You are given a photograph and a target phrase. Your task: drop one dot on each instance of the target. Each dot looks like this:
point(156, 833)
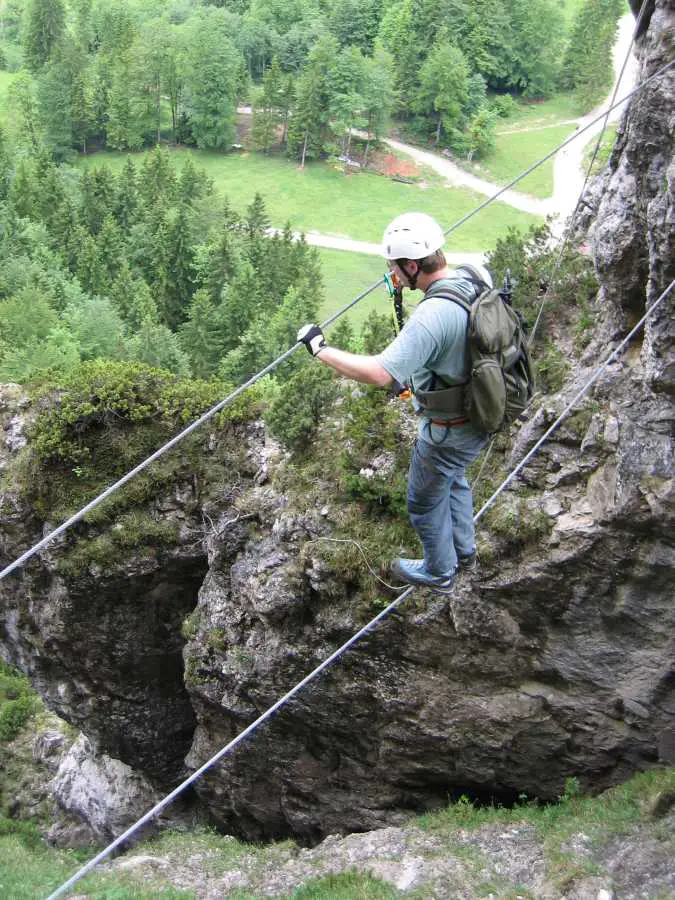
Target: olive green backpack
point(501, 380)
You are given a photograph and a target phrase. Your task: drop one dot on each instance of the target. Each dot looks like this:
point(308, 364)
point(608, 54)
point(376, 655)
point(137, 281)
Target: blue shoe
point(469, 562)
point(413, 571)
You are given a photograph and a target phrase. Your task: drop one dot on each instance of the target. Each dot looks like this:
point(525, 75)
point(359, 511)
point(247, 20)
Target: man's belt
point(448, 423)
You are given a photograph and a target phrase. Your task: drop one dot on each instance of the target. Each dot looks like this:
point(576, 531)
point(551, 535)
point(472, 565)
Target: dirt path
point(568, 175)
point(568, 164)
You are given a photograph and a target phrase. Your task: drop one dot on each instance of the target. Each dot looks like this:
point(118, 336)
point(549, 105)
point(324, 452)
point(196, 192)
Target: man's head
point(412, 246)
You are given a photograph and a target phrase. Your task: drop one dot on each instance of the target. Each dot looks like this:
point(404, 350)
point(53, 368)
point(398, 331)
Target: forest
point(150, 265)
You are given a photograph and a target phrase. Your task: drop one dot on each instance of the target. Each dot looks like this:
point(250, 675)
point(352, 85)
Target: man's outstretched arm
point(365, 369)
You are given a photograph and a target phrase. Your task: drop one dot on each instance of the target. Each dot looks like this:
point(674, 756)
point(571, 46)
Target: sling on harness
point(500, 383)
point(395, 289)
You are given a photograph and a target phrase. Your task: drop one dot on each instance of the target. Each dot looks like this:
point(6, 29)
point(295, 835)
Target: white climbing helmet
point(412, 236)
point(475, 273)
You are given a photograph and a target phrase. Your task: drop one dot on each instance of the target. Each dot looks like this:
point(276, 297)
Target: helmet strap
point(412, 279)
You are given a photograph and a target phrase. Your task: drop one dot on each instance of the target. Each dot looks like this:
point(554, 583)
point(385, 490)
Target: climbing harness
point(395, 288)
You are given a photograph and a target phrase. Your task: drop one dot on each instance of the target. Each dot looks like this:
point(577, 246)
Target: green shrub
point(551, 368)
point(516, 522)
point(377, 332)
point(103, 402)
point(295, 414)
point(504, 105)
point(17, 702)
point(372, 426)
point(566, 284)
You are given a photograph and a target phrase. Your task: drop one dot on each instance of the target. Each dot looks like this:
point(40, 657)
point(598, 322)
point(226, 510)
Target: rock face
point(554, 660)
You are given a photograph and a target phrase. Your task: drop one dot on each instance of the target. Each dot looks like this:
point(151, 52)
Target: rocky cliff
point(555, 659)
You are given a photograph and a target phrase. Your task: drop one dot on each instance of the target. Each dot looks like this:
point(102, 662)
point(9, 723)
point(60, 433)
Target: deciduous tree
point(443, 91)
point(212, 71)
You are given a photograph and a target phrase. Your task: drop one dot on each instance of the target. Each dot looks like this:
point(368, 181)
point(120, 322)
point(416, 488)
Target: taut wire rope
point(569, 228)
point(352, 640)
point(589, 384)
point(80, 514)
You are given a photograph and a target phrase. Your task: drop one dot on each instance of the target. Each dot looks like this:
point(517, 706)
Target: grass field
point(346, 275)
point(535, 113)
point(516, 152)
point(324, 200)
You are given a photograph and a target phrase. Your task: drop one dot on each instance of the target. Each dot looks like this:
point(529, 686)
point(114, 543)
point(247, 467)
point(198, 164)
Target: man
point(429, 356)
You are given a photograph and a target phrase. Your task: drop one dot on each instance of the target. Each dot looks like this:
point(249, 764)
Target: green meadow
point(516, 152)
point(321, 198)
point(346, 275)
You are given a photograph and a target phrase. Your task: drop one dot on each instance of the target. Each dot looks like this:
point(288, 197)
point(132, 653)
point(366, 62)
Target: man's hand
point(312, 337)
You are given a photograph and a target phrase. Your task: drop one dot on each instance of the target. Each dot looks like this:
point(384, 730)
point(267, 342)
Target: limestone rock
point(103, 792)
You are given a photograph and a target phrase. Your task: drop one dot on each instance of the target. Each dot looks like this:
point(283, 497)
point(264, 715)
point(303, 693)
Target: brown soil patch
point(388, 164)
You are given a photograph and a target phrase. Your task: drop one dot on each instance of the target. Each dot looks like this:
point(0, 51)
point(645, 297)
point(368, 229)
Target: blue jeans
point(440, 503)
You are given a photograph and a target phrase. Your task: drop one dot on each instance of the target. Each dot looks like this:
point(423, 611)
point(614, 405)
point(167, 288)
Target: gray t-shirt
point(433, 340)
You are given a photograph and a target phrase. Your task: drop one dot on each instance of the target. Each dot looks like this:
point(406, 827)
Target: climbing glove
point(312, 337)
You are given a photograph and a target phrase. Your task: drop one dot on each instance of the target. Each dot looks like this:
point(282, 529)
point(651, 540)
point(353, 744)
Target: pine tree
point(267, 112)
point(537, 29)
point(298, 306)
point(44, 25)
point(24, 191)
point(97, 197)
point(124, 127)
point(238, 307)
point(111, 249)
point(156, 346)
point(132, 299)
point(91, 272)
point(347, 104)
point(193, 183)
point(158, 184)
point(257, 221)
point(24, 118)
point(378, 94)
point(218, 263)
point(308, 126)
point(178, 255)
point(343, 336)
point(126, 204)
point(396, 36)
point(5, 167)
point(97, 328)
point(212, 71)
point(200, 335)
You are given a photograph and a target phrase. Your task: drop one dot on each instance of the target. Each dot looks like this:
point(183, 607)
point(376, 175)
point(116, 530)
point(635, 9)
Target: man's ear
point(406, 268)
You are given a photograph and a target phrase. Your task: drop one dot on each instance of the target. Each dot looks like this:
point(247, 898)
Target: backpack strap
point(446, 292)
point(448, 399)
